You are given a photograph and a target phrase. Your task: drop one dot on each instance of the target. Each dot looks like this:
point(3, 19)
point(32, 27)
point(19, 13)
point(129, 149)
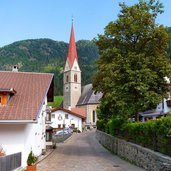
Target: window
point(53, 116)
point(94, 116)
point(59, 125)
point(66, 116)
point(0, 100)
point(67, 78)
point(48, 116)
point(75, 67)
point(75, 77)
point(63, 125)
point(48, 136)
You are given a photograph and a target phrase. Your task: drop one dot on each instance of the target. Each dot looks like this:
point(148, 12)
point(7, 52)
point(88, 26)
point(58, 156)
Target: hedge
point(151, 134)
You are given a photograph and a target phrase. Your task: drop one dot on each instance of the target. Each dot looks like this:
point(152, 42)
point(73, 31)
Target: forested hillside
point(46, 55)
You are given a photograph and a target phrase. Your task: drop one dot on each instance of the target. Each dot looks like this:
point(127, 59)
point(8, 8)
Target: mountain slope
point(46, 55)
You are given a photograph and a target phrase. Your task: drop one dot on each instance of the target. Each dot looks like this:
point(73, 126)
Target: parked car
point(61, 132)
point(69, 130)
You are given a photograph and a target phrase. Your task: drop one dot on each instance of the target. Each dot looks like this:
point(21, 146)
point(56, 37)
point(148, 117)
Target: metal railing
point(10, 162)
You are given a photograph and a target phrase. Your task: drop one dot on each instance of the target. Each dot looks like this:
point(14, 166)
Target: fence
point(142, 157)
point(10, 162)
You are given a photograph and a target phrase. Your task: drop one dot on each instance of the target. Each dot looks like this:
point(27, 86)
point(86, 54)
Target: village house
point(64, 118)
point(162, 109)
point(23, 103)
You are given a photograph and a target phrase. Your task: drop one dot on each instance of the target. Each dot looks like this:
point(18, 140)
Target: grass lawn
point(57, 101)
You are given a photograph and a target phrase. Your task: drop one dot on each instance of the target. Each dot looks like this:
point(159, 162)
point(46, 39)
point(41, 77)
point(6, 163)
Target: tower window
point(75, 77)
point(67, 78)
point(0, 99)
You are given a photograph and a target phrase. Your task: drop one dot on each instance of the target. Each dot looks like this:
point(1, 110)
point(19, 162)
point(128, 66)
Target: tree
point(169, 38)
point(133, 61)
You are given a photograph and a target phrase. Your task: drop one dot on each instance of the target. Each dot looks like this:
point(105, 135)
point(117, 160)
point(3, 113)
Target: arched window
point(94, 116)
point(75, 77)
point(67, 78)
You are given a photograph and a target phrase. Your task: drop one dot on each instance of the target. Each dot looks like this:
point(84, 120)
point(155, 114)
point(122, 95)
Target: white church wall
point(89, 113)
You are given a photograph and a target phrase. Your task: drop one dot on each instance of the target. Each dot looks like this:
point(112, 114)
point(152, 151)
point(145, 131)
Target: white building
point(63, 118)
point(23, 101)
point(162, 109)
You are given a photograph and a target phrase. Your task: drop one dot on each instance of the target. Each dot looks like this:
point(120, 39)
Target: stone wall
point(140, 156)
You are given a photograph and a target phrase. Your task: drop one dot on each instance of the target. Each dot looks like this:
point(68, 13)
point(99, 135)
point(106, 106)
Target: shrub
point(115, 125)
point(151, 134)
point(101, 125)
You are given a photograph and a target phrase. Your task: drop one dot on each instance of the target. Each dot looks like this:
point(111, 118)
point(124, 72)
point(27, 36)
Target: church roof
point(88, 96)
point(72, 51)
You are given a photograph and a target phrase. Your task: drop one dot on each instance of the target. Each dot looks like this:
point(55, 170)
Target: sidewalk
point(42, 157)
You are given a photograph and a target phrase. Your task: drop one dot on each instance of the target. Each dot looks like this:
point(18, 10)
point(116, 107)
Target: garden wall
point(140, 156)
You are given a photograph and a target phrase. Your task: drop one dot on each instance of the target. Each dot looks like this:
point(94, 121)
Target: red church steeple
point(72, 75)
point(72, 51)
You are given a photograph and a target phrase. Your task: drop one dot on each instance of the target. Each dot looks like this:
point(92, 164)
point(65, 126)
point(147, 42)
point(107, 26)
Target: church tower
point(72, 75)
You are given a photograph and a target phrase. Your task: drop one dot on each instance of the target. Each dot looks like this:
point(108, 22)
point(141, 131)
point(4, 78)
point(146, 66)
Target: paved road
point(82, 152)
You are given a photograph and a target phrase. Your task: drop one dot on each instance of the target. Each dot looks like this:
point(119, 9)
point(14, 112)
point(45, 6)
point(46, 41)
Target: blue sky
point(30, 19)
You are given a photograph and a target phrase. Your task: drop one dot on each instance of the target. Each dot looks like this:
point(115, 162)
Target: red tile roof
point(31, 89)
point(72, 51)
point(81, 113)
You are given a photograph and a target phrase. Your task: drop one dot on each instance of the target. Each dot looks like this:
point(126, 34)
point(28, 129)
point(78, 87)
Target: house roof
point(150, 113)
point(72, 51)
point(79, 112)
point(31, 90)
point(88, 96)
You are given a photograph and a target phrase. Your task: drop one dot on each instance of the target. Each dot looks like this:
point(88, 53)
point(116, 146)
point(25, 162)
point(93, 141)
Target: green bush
point(101, 125)
point(151, 134)
point(114, 126)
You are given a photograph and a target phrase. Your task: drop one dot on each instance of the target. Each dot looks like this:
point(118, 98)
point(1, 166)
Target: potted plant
point(2, 152)
point(31, 162)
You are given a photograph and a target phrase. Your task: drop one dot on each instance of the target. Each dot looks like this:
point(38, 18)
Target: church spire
point(72, 51)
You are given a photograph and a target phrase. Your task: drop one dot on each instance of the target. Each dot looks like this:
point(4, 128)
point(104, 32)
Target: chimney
point(15, 68)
